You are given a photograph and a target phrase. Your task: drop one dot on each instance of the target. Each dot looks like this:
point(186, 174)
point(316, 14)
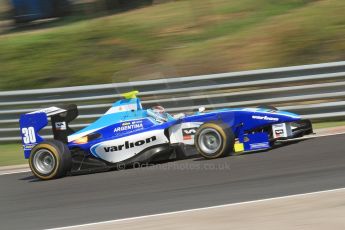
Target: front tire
point(50, 160)
point(214, 140)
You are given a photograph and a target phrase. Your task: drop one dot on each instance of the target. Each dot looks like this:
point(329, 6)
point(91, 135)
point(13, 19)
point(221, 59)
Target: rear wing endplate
point(32, 123)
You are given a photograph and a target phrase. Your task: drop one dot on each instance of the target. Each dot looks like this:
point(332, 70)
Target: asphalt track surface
point(308, 166)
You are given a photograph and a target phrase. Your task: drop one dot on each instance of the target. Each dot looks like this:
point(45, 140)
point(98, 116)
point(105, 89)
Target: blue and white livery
point(128, 134)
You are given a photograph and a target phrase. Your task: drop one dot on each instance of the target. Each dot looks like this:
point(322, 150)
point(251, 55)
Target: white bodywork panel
point(184, 133)
point(281, 130)
point(122, 108)
point(126, 147)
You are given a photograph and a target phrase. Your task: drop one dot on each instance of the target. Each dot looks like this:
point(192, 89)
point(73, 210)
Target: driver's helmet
point(158, 109)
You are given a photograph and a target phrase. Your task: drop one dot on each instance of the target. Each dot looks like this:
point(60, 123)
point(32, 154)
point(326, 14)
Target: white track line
point(15, 172)
point(197, 209)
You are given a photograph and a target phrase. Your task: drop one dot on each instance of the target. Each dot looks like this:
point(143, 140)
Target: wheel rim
point(44, 161)
point(209, 141)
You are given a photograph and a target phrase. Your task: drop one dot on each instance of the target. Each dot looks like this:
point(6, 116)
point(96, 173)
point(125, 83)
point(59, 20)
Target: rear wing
point(32, 123)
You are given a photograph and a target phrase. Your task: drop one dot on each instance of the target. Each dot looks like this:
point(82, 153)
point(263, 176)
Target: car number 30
point(29, 135)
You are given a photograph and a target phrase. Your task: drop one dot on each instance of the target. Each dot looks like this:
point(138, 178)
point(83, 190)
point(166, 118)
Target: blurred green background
point(190, 37)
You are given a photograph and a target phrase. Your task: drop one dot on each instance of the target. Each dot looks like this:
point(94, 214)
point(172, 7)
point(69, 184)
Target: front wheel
point(214, 140)
point(50, 160)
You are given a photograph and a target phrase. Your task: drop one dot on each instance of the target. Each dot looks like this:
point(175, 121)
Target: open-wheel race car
point(128, 134)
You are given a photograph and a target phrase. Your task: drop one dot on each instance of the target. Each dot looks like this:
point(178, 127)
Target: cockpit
point(159, 114)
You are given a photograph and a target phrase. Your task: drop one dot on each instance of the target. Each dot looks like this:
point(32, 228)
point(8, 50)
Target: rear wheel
point(214, 140)
point(50, 160)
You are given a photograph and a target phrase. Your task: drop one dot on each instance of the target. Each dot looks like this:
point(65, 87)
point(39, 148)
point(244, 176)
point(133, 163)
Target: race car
point(128, 134)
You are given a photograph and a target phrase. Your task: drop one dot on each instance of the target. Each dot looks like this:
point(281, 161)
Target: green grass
point(177, 38)
point(330, 124)
point(11, 154)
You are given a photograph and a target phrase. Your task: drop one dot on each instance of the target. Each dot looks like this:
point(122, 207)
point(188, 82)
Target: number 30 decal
point(29, 135)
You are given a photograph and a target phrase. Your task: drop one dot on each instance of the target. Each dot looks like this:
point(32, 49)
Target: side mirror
point(179, 116)
point(202, 109)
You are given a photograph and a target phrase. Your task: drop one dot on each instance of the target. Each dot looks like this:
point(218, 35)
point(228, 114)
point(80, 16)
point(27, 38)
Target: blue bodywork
point(127, 118)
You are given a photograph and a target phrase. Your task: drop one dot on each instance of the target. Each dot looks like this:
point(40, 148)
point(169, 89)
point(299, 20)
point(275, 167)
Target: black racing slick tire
point(50, 160)
point(270, 107)
point(214, 140)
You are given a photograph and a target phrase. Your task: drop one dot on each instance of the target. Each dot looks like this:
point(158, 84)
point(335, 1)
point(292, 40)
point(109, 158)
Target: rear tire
point(50, 160)
point(214, 140)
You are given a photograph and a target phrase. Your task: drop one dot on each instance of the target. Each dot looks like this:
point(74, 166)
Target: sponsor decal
point(279, 132)
point(259, 145)
point(60, 125)
point(266, 118)
point(129, 126)
point(28, 146)
point(188, 133)
point(184, 132)
point(129, 145)
point(120, 149)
